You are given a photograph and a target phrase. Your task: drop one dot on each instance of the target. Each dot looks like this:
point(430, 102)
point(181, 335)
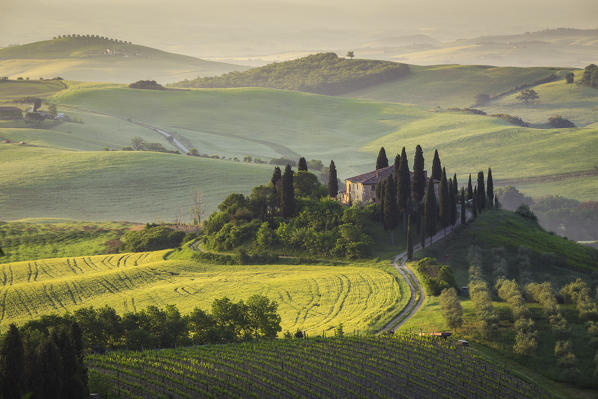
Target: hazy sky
point(241, 27)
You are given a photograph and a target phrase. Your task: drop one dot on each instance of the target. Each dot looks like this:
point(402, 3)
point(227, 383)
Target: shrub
point(147, 85)
point(435, 276)
point(152, 239)
point(559, 122)
point(451, 308)
point(526, 212)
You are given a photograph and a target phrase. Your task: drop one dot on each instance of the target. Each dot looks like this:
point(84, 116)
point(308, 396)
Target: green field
point(46, 238)
point(311, 298)
point(451, 85)
point(575, 102)
point(86, 59)
point(115, 185)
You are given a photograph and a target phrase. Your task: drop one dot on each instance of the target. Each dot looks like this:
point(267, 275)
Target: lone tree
point(350, 54)
point(570, 77)
point(391, 212)
point(332, 180)
point(382, 161)
point(469, 189)
point(481, 191)
point(418, 188)
point(490, 188)
point(436, 167)
point(287, 196)
point(528, 96)
point(302, 166)
point(276, 176)
point(137, 143)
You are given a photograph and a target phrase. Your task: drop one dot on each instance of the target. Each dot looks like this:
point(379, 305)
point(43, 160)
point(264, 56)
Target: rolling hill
point(272, 123)
point(38, 181)
point(453, 85)
point(91, 58)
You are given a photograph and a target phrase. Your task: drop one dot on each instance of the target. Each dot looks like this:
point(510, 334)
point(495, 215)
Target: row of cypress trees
point(38, 363)
point(411, 199)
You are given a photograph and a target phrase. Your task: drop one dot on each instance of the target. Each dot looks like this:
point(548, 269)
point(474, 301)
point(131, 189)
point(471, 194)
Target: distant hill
point(551, 47)
point(94, 58)
point(323, 73)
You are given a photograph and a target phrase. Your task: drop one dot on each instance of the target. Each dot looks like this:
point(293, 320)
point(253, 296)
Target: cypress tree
point(49, 368)
point(332, 180)
point(302, 166)
point(452, 203)
point(430, 210)
point(481, 191)
point(475, 203)
point(436, 167)
point(444, 206)
point(496, 203)
point(395, 170)
point(287, 198)
point(12, 365)
point(276, 176)
point(463, 214)
point(382, 161)
point(391, 213)
point(409, 239)
point(469, 189)
point(490, 188)
point(419, 177)
point(404, 184)
point(455, 186)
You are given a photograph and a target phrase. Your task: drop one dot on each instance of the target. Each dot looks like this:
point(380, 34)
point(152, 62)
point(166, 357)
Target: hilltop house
point(362, 188)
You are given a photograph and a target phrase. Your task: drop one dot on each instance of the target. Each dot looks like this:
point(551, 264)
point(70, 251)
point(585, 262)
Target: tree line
point(79, 36)
point(42, 361)
point(410, 199)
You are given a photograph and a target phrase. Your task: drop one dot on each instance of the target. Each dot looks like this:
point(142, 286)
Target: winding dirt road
point(412, 307)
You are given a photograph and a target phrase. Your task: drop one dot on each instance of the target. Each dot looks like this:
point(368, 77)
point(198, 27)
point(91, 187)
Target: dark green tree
point(12, 365)
point(403, 185)
point(332, 180)
point(302, 166)
point(490, 188)
point(570, 77)
point(409, 239)
point(475, 203)
point(418, 188)
point(528, 96)
point(276, 176)
point(382, 161)
point(444, 205)
point(481, 191)
point(469, 189)
point(430, 210)
point(436, 167)
point(453, 203)
point(390, 212)
point(48, 370)
point(463, 209)
point(287, 195)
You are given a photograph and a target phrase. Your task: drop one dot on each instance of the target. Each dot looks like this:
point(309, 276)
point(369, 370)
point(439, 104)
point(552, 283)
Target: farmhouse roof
point(372, 177)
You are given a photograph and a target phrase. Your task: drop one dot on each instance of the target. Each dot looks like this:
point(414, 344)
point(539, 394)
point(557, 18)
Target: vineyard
point(311, 298)
point(348, 367)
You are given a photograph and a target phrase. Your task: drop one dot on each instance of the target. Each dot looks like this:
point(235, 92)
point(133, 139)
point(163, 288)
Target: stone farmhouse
point(362, 188)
